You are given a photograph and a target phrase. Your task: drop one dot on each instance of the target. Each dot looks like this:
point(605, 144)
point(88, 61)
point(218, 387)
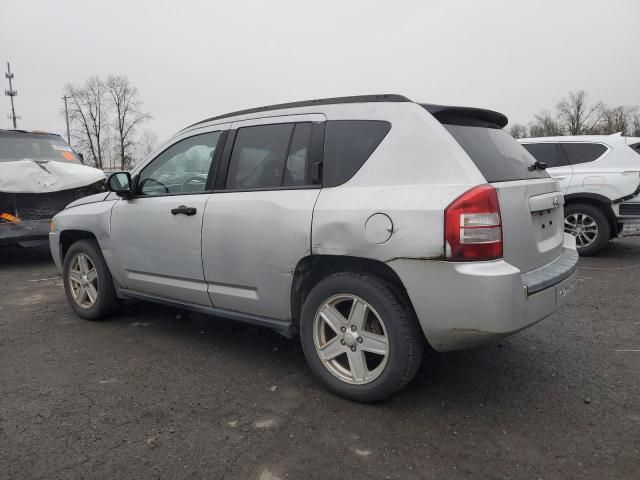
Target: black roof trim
point(309, 103)
point(466, 115)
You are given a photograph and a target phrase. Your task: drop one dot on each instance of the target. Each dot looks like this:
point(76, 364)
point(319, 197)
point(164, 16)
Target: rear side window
point(271, 156)
point(258, 156)
point(549, 153)
point(636, 147)
point(496, 154)
point(583, 152)
point(347, 145)
point(296, 172)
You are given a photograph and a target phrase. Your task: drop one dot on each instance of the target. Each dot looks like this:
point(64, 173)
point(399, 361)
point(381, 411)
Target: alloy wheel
point(583, 227)
point(350, 339)
point(83, 280)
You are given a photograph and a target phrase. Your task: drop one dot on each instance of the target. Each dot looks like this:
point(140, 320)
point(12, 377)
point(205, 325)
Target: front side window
point(583, 152)
point(182, 168)
point(549, 153)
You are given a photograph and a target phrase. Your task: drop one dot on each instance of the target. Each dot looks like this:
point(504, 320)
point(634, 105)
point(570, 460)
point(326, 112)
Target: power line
point(11, 93)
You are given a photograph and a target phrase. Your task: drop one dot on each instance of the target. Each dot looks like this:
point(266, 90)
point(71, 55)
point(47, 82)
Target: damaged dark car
point(40, 175)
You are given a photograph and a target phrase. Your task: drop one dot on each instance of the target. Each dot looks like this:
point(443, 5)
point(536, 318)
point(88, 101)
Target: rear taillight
point(472, 226)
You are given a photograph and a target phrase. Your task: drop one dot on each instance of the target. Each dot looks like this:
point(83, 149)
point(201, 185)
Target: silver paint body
point(239, 253)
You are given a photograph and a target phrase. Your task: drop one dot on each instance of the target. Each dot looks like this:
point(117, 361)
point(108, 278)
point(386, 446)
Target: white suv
point(363, 224)
point(600, 178)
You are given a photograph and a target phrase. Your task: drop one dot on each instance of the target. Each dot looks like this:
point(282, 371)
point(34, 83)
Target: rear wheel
point(87, 281)
point(360, 338)
point(589, 225)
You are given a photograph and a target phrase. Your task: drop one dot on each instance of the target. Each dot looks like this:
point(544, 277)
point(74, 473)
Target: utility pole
point(66, 115)
point(11, 93)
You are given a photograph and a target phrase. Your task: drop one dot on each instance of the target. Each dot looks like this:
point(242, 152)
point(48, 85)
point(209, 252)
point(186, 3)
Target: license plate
point(565, 289)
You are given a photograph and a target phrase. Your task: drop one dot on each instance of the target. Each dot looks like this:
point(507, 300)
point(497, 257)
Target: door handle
point(184, 210)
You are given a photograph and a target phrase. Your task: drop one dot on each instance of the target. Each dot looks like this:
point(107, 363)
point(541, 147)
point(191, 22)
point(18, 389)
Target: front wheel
point(87, 281)
point(360, 337)
point(590, 227)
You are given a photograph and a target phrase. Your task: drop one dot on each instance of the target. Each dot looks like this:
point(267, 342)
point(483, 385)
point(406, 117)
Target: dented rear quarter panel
point(413, 175)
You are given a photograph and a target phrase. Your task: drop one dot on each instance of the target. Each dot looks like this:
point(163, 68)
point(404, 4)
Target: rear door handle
point(184, 210)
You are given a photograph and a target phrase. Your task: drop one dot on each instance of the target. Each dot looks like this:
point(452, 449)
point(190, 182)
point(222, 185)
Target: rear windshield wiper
point(537, 165)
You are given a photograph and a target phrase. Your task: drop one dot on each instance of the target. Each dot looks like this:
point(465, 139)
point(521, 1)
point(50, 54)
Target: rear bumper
point(628, 219)
point(26, 233)
point(462, 305)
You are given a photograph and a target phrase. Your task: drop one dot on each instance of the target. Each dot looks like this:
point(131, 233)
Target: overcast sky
point(191, 60)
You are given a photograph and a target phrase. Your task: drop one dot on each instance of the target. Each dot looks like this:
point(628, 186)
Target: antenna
point(11, 93)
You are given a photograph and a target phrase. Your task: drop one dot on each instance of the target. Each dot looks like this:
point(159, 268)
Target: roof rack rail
point(309, 103)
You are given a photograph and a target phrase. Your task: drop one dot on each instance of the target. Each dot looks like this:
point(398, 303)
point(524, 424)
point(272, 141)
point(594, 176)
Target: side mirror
point(120, 184)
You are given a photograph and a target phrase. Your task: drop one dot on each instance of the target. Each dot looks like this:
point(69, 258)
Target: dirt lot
point(146, 396)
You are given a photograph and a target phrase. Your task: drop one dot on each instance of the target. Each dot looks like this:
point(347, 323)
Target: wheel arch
point(69, 237)
point(598, 201)
point(313, 268)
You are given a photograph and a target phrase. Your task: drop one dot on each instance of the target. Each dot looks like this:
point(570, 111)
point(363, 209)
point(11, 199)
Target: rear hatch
point(530, 201)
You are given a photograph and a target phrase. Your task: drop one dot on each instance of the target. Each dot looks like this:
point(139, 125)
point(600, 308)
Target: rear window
point(636, 147)
point(583, 152)
point(549, 153)
point(347, 145)
point(34, 146)
point(496, 154)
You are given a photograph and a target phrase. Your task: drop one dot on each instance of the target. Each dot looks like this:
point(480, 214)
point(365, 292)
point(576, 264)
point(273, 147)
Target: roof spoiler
point(468, 116)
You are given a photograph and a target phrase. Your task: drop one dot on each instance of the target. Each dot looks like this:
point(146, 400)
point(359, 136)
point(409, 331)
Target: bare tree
point(545, 125)
point(517, 130)
point(148, 142)
point(635, 124)
point(578, 117)
point(88, 118)
point(618, 120)
point(125, 100)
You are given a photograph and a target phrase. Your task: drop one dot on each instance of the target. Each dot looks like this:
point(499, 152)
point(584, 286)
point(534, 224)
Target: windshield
point(496, 154)
point(35, 146)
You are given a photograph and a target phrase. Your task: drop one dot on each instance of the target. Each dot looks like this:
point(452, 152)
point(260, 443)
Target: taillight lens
point(472, 226)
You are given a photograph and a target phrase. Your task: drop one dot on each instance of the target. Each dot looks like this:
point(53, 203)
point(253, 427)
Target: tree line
point(575, 115)
point(105, 120)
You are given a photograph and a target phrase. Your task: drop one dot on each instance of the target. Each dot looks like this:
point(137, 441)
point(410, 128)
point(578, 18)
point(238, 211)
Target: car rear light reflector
point(473, 227)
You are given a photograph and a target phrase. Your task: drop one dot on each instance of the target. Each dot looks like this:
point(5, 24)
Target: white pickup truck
point(600, 178)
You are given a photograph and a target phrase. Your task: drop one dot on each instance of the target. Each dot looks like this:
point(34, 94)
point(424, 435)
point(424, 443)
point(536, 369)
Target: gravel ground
point(146, 396)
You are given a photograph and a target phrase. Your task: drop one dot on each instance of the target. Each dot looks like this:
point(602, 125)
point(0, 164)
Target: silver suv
point(365, 225)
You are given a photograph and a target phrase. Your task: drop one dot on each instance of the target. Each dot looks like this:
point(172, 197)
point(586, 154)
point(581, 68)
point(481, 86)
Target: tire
point(105, 300)
point(387, 315)
point(584, 215)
